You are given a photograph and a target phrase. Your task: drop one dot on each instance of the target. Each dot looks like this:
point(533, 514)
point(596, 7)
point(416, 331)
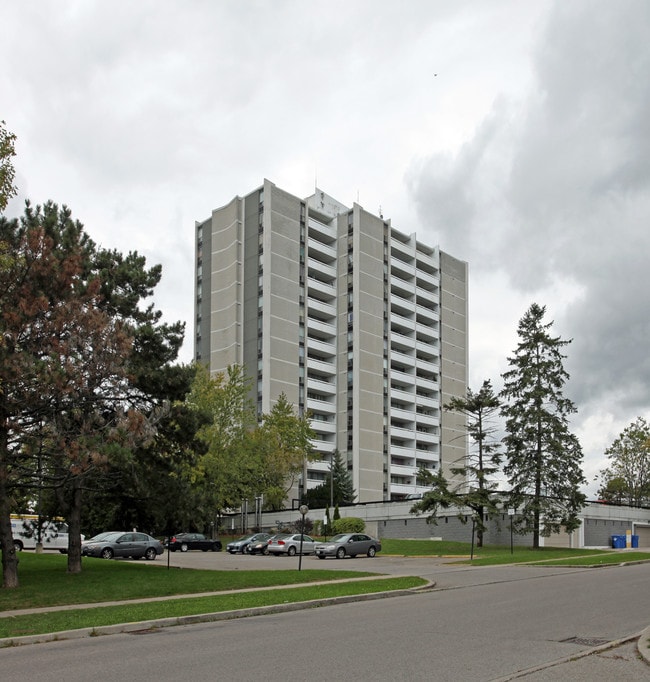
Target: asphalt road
point(477, 624)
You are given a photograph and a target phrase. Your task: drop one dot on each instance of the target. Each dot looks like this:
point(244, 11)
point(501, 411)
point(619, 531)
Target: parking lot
point(223, 561)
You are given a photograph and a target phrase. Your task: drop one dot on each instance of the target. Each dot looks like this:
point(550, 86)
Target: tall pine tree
point(543, 457)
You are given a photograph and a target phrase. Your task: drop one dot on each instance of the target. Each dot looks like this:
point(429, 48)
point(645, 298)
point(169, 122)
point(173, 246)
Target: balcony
point(430, 295)
point(426, 316)
point(428, 366)
point(403, 359)
point(325, 348)
point(405, 435)
point(328, 272)
point(426, 280)
point(323, 427)
point(403, 415)
point(426, 384)
point(406, 397)
point(431, 401)
point(406, 471)
point(401, 341)
point(320, 289)
point(401, 324)
point(321, 366)
point(401, 287)
point(322, 329)
point(324, 388)
point(320, 405)
point(318, 230)
point(426, 439)
point(402, 306)
point(401, 269)
point(405, 249)
point(323, 447)
point(320, 309)
point(321, 252)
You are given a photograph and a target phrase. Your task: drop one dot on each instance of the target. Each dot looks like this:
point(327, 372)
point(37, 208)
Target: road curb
point(159, 623)
point(643, 645)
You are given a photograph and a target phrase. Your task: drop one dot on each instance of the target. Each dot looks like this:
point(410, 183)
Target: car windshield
point(112, 535)
point(341, 537)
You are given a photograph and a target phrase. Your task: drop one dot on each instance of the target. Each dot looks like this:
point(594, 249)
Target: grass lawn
point(44, 582)
point(492, 555)
point(57, 621)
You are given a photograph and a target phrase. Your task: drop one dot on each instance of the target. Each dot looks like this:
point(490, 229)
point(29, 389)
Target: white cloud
point(513, 134)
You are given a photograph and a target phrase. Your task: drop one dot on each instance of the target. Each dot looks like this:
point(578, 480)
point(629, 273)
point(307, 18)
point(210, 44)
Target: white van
point(54, 533)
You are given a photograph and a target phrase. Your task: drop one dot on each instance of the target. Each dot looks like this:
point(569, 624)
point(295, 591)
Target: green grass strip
point(44, 581)
point(57, 621)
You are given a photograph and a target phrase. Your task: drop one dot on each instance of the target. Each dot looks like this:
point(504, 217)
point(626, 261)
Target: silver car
point(290, 545)
point(348, 544)
point(239, 546)
point(119, 544)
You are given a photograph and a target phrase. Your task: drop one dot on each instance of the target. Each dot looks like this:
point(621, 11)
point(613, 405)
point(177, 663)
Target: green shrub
point(349, 524)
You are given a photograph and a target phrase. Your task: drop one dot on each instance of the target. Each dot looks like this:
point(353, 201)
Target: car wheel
point(18, 546)
point(371, 552)
point(150, 554)
point(291, 551)
point(107, 553)
point(184, 547)
point(265, 551)
point(340, 553)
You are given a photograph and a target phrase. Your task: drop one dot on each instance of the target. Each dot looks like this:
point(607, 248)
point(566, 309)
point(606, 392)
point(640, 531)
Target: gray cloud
point(527, 154)
point(554, 190)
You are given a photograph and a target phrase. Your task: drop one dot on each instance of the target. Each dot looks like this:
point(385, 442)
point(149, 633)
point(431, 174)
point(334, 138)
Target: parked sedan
point(185, 541)
point(238, 546)
point(261, 546)
point(348, 544)
point(119, 544)
point(290, 545)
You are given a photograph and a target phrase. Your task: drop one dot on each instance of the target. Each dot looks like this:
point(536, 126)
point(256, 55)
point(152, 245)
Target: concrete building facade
point(354, 321)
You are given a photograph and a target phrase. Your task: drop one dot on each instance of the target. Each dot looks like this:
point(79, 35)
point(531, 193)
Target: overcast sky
point(514, 134)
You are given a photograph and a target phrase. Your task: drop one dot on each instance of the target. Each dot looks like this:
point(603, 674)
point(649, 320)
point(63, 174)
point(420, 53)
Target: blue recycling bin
point(635, 541)
point(618, 541)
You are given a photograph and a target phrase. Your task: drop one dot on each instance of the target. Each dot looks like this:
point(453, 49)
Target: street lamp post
point(511, 513)
point(303, 510)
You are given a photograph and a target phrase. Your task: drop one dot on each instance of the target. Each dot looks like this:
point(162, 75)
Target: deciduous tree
point(628, 476)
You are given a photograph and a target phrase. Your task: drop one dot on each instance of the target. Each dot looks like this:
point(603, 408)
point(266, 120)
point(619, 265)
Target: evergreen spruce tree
point(477, 489)
point(344, 492)
point(543, 457)
point(336, 488)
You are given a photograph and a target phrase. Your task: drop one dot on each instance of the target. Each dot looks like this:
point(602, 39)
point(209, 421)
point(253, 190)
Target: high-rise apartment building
point(359, 324)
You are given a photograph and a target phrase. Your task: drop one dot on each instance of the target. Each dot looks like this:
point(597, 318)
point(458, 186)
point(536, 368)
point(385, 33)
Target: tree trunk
point(74, 528)
point(9, 558)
